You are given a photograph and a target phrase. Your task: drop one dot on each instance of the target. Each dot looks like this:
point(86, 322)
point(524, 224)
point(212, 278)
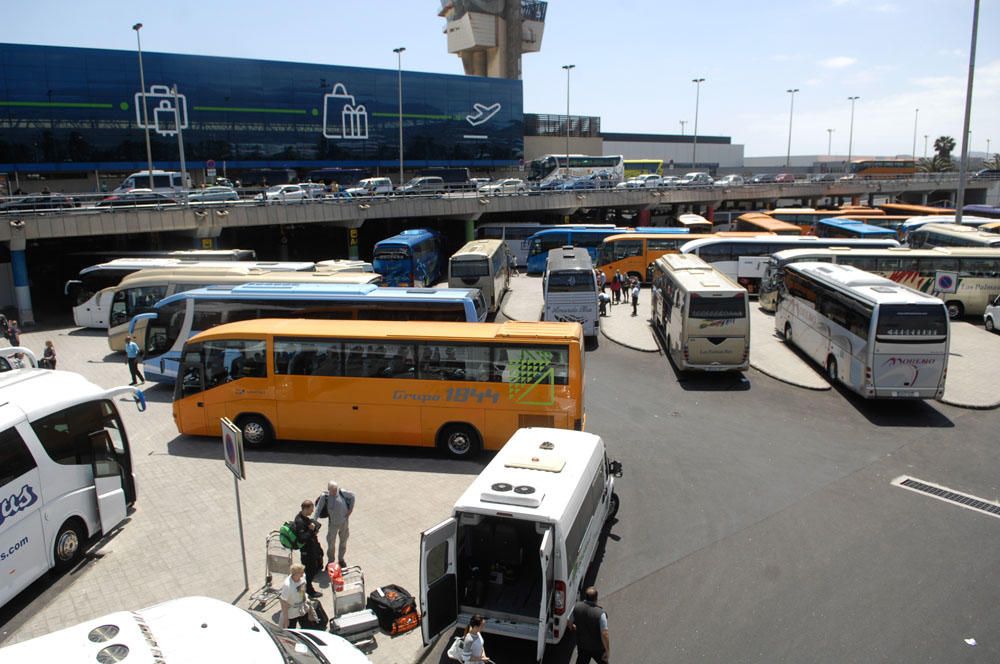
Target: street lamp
point(683, 122)
point(926, 136)
point(791, 111)
point(916, 115)
point(850, 134)
point(963, 167)
point(399, 86)
point(145, 114)
point(567, 68)
point(694, 145)
point(829, 142)
point(987, 149)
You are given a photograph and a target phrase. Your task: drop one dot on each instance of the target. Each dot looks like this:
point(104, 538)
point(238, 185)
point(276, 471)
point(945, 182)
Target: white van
point(569, 288)
point(66, 474)
point(521, 538)
point(192, 630)
point(371, 187)
point(164, 182)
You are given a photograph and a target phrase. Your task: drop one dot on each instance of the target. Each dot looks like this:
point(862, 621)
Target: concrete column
point(923, 199)
point(470, 230)
point(352, 243)
point(19, 269)
point(643, 218)
point(871, 200)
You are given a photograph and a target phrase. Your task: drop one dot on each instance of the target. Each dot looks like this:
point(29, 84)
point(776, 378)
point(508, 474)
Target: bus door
point(439, 579)
point(546, 560)
point(752, 267)
point(110, 481)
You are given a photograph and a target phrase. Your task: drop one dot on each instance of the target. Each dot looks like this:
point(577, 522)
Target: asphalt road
point(758, 523)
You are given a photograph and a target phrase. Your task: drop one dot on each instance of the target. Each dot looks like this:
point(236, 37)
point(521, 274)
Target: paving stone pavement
point(634, 332)
point(770, 355)
point(182, 538)
point(524, 300)
point(973, 362)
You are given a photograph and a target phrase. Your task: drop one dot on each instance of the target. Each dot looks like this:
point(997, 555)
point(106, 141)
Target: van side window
point(15, 458)
point(574, 538)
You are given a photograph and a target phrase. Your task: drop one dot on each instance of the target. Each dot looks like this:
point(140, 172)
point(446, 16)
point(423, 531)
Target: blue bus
point(836, 227)
point(176, 318)
point(590, 239)
point(412, 258)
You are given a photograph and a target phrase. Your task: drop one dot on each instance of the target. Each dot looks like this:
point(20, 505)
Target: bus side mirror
point(615, 468)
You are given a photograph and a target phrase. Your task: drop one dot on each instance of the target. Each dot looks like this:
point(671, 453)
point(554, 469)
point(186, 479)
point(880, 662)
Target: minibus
point(520, 540)
point(569, 288)
point(482, 264)
point(66, 474)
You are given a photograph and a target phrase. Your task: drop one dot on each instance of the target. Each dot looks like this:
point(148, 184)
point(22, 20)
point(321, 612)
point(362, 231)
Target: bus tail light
point(687, 357)
point(559, 598)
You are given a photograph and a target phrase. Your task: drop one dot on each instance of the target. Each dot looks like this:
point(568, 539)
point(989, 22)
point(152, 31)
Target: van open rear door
point(438, 579)
point(548, 572)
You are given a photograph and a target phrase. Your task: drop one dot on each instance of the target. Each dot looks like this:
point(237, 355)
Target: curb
point(625, 345)
point(789, 382)
point(956, 404)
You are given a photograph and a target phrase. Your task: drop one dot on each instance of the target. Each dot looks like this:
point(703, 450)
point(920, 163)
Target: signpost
point(210, 170)
point(945, 282)
point(232, 452)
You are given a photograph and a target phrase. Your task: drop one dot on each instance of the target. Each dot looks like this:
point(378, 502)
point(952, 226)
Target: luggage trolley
point(351, 620)
point(277, 560)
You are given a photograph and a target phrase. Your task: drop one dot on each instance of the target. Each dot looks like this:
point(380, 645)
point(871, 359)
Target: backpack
point(322, 506)
point(287, 535)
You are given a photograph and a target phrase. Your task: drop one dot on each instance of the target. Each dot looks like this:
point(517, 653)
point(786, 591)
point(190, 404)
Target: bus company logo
point(532, 378)
point(912, 363)
point(17, 502)
point(712, 324)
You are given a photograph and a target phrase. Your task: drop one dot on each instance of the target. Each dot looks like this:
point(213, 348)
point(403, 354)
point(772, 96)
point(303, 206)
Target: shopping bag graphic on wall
point(342, 117)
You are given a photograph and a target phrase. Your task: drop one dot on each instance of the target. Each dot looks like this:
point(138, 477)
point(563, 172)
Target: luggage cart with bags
point(351, 620)
point(277, 560)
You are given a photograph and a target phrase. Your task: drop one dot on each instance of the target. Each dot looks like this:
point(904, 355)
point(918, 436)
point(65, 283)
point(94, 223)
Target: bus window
point(896, 320)
point(471, 268)
point(527, 367)
point(455, 362)
point(307, 357)
point(15, 458)
point(732, 306)
point(233, 359)
point(379, 360)
point(626, 248)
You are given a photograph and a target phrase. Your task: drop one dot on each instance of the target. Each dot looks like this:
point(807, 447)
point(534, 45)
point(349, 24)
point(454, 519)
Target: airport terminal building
point(79, 110)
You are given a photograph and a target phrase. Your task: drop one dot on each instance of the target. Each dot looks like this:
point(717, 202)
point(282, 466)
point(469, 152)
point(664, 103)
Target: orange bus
point(633, 254)
point(806, 218)
point(760, 222)
point(460, 387)
point(913, 210)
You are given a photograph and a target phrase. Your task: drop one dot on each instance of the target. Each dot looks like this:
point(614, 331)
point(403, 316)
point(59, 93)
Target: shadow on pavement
point(704, 381)
point(896, 413)
point(81, 332)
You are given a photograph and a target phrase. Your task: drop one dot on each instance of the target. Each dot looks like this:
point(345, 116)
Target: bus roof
point(409, 237)
point(478, 249)
point(554, 462)
point(906, 208)
point(694, 274)
point(857, 226)
point(526, 331)
point(38, 392)
point(786, 255)
point(767, 223)
point(185, 263)
point(685, 237)
point(322, 291)
point(791, 240)
point(967, 219)
point(864, 285)
point(159, 276)
point(968, 233)
point(567, 259)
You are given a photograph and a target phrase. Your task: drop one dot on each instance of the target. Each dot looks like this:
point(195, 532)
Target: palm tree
point(944, 145)
point(936, 164)
point(993, 163)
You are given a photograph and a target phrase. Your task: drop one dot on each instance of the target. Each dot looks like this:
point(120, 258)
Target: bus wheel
point(68, 546)
point(636, 275)
point(256, 431)
point(955, 310)
point(831, 369)
point(990, 327)
point(459, 441)
point(613, 506)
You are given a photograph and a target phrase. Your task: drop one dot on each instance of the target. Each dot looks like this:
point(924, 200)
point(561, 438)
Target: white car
point(505, 186)
point(731, 181)
point(695, 179)
point(631, 183)
point(991, 317)
point(313, 189)
point(648, 180)
point(283, 193)
point(371, 187)
point(193, 630)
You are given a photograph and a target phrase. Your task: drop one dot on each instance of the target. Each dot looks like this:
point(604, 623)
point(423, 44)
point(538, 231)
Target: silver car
point(213, 195)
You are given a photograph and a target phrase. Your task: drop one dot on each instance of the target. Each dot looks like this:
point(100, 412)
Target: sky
point(634, 59)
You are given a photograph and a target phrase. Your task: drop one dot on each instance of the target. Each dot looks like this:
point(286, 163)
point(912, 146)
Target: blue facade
point(77, 109)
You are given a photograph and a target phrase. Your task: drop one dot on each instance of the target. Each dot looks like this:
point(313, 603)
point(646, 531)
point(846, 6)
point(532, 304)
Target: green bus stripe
point(237, 109)
point(419, 116)
point(54, 104)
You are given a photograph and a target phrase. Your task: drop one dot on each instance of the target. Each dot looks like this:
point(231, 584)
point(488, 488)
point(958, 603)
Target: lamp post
point(683, 122)
point(926, 136)
point(791, 112)
point(180, 136)
point(399, 86)
point(694, 144)
point(916, 115)
point(829, 142)
point(567, 68)
point(963, 167)
point(850, 134)
point(145, 114)
point(987, 149)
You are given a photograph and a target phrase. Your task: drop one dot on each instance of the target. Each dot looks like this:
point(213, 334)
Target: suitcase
point(352, 597)
point(321, 615)
point(355, 626)
point(396, 609)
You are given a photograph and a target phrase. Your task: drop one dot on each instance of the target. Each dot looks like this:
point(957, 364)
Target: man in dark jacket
point(306, 529)
point(590, 623)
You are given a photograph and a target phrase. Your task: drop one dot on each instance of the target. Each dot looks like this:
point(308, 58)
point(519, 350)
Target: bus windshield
point(907, 320)
point(392, 253)
point(470, 268)
point(571, 282)
point(730, 306)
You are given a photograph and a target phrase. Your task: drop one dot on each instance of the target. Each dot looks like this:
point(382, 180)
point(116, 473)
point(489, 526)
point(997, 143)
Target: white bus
point(553, 167)
point(950, 235)
point(519, 541)
point(702, 315)
point(569, 288)
point(482, 264)
point(91, 306)
point(164, 182)
point(972, 274)
point(745, 259)
point(914, 223)
point(66, 474)
point(879, 339)
point(139, 292)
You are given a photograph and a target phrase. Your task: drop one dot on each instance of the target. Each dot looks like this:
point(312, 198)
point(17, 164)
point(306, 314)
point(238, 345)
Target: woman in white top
point(473, 649)
point(293, 597)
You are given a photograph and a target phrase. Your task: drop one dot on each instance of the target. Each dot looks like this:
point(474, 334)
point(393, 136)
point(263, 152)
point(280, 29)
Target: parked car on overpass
point(696, 179)
point(731, 180)
point(37, 202)
point(135, 197)
point(786, 178)
point(762, 178)
point(371, 187)
point(213, 195)
point(283, 193)
point(505, 186)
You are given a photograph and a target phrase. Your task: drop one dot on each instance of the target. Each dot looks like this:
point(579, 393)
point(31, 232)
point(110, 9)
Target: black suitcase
point(395, 608)
point(322, 619)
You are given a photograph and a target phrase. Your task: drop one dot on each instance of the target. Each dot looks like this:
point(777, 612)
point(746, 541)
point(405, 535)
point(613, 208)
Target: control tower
point(491, 35)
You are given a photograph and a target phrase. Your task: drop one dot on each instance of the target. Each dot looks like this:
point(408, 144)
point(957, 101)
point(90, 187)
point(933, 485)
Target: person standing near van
point(48, 356)
point(306, 530)
point(616, 289)
point(473, 648)
point(590, 622)
point(336, 505)
point(635, 297)
point(132, 355)
point(293, 597)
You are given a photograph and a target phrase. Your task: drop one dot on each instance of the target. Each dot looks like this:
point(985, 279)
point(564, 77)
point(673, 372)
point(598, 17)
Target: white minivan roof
point(534, 475)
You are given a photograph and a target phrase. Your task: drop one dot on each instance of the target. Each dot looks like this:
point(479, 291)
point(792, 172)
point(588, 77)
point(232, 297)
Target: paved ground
point(524, 299)
point(972, 367)
point(770, 354)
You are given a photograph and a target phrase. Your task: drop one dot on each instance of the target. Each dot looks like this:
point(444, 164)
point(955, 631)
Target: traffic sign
point(232, 448)
point(946, 282)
